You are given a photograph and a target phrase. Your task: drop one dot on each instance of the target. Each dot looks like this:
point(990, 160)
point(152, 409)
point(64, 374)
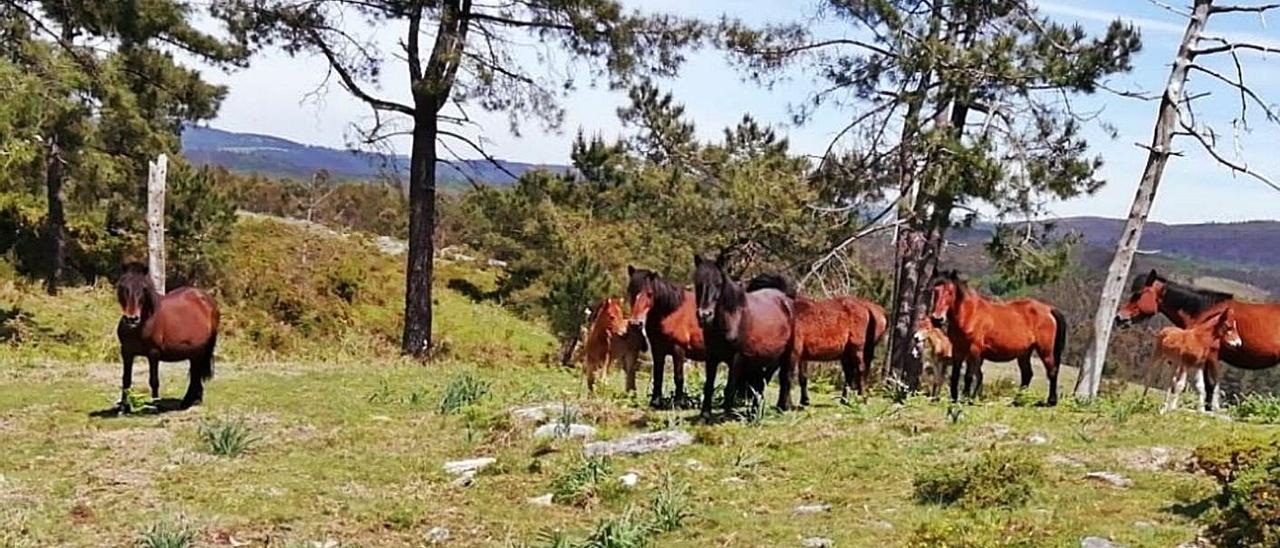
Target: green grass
point(227, 437)
point(167, 535)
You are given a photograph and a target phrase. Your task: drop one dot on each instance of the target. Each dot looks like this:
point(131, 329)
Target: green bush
point(1249, 507)
point(997, 478)
point(167, 535)
point(462, 391)
point(971, 533)
point(583, 483)
point(1257, 408)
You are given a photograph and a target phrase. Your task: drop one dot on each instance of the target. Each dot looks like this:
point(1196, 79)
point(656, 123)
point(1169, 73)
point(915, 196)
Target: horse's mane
point(1182, 296)
point(666, 295)
point(134, 268)
point(771, 281)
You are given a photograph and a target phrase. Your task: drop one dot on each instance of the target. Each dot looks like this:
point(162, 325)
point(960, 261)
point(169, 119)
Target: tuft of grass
point(975, 533)
point(583, 483)
point(167, 535)
point(1025, 398)
point(627, 530)
point(227, 437)
point(462, 390)
point(138, 403)
point(553, 538)
point(997, 478)
point(895, 390)
point(1258, 409)
point(670, 505)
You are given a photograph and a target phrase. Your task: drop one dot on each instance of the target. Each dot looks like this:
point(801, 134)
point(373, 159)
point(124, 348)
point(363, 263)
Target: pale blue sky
point(274, 97)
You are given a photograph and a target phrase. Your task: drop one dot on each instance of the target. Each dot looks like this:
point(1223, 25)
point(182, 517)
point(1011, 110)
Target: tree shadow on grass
point(156, 407)
point(1194, 509)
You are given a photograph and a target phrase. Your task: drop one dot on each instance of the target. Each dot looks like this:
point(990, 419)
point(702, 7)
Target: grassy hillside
point(349, 442)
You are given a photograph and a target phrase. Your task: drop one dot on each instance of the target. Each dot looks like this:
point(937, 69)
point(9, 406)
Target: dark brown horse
point(756, 325)
point(1187, 306)
point(667, 314)
point(178, 326)
point(982, 329)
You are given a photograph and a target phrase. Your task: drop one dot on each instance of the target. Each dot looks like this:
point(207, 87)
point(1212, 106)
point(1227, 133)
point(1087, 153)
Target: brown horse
point(933, 348)
point(982, 329)
point(1195, 351)
point(1186, 306)
point(845, 329)
point(757, 326)
point(177, 326)
point(667, 315)
point(611, 338)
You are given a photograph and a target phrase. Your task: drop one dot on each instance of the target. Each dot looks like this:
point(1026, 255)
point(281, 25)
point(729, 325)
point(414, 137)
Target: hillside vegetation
point(314, 431)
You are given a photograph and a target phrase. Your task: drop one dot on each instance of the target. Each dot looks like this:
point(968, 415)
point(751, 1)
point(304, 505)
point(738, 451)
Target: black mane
point(771, 281)
point(1179, 296)
point(667, 296)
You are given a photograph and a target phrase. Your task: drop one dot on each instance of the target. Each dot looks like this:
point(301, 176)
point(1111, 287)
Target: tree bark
point(56, 223)
point(422, 219)
point(156, 175)
point(1157, 157)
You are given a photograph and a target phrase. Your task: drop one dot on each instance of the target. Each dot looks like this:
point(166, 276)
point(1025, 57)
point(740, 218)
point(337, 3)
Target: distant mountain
point(274, 156)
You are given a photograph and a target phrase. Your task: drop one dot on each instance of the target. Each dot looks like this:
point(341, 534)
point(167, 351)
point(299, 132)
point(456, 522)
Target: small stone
point(380, 418)
point(733, 479)
point(1098, 542)
point(1037, 439)
point(1065, 460)
point(437, 535)
point(467, 479)
point(544, 500)
point(542, 412)
point(329, 543)
point(640, 444)
point(693, 464)
point(883, 525)
point(1144, 524)
point(1116, 480)
point(998, 430)
point(459, 467)
point(629, 480)
point(571, 431)
point(812, 508)
point(817, 542)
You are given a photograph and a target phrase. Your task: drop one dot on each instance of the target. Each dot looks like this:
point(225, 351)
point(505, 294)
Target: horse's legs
point(709, 385)
point(803, 370)
point(786, 375)
point(591, 375)
point(630, 361)
point(1175, 389)
point(1199, 380)
point(732, 379)
point(677, 364)
point(972, 377)
point(1051, 374)
point(195, 390)
point(955, 379)
point(1024, 370)
point(655, 395)
point(126, 379)
point(154, 378)
point(1212, 373)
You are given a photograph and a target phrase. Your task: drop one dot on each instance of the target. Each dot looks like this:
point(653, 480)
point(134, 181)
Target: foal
point(1195, 351)
point(611, 339)
point(178, 326)
point(931, 346)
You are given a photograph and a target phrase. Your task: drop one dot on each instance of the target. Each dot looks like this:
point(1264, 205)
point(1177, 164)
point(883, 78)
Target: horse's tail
point(204, 366)
point(872, 337)
point(771, 281)
point(1059, 336)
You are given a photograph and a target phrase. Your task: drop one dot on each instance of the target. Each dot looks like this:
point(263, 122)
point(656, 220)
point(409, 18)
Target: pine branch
point(348, 80)
point(479, 149)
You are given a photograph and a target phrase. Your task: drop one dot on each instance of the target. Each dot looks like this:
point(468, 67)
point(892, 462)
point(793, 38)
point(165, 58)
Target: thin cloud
point(1154, 25)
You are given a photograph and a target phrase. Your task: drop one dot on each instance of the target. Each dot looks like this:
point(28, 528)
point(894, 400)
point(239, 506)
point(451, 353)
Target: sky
point(284, 96)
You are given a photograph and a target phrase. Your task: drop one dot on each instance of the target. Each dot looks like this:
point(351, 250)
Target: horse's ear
point(1152, 277)
point(631, 271)
point(721, 260)
point(697, 260)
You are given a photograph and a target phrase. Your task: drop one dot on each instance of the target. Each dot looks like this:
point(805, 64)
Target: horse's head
point(135, 293)
point(612, 316)
point(709, 282)
point(1144, 301)
point(946, 291)
point(1225, 328)
point(639, 293)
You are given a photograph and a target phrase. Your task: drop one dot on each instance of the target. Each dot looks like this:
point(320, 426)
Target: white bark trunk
point(155, 219)
point(1158, 156)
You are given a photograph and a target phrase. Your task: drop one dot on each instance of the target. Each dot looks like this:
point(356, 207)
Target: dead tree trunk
point(155, 220)
point(56, 223)
point(1157, 158)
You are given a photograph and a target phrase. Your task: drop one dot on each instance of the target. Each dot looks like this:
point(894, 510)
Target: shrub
point(1249, 507)
point(974, 534)
point(670, 505)
point(462, 391)
point(1256, 408)
point(628, 530)
point(994, 479)
point(227, 437)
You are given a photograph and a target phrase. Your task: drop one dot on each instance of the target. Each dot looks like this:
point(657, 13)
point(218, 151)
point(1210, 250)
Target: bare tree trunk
point(56, 223)
point(1158, 156)
point(156, 174)
point(422, 213)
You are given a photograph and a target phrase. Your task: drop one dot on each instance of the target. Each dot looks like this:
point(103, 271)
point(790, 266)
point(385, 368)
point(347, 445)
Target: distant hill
point(274, 156)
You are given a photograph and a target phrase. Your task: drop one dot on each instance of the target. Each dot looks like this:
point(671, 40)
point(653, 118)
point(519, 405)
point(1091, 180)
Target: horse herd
point(761, 327)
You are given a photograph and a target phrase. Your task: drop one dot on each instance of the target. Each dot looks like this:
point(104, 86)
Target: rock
point(1151, 459)
point(997, 430)
point(571, 431)
point(733, 480)
point(1143, 524)
point(1037, 439)
point(1066, 460)
point(883, 525)
point(459, 467)
point(1116, 480)
point(1199, 542)
point(817, 542)
point(329, 543)
point(437, 535)
point(629, 479)
point(812, 508)
point(495, 263)
point(380, 418)
point(640, 444)
point(544, 500)
point(467, 479)
point(1098, 542)
point(693, 464)
point(542, 412)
